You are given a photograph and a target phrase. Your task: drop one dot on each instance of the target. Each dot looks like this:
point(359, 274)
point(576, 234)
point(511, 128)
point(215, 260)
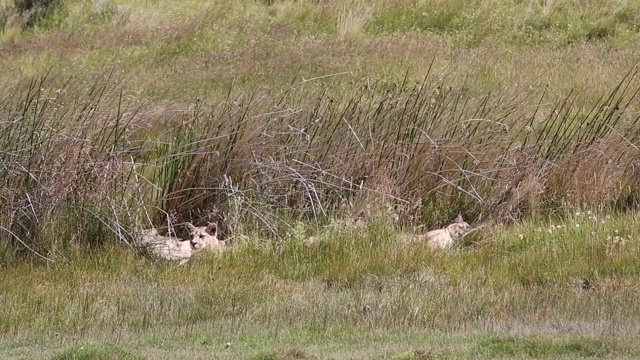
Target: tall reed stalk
point(82, 166)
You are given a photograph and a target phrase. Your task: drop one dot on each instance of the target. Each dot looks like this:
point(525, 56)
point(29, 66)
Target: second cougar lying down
point(166, 247)
point(170, 248)
point(446, 237)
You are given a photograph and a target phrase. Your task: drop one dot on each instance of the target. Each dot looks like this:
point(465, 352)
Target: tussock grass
point(61, 176)
point(352, 20)
point(84, 165)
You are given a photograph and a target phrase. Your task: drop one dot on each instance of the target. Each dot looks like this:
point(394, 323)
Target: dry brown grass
point(410, 154)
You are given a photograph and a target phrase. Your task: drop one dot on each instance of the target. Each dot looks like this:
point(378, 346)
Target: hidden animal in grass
point(166, 247)
point(446, 237)
point(171, 248)
point(205, 238)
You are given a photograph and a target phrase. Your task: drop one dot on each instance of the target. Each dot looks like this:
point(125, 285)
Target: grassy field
point(563, 290)
point(323, 137)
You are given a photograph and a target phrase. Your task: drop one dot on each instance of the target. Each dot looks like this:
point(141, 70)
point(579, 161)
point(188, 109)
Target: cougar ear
point(459, 218)
point(212, 228)
point(190, 227)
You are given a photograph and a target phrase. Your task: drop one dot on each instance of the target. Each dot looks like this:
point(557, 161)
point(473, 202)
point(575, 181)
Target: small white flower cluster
point(589, 215)
point(553, 228)
point(616, 242)
point(617, 239)
point(583, 217)
point(586, 219)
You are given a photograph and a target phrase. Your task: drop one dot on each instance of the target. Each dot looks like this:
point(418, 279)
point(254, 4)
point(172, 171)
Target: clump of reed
point(87, 163)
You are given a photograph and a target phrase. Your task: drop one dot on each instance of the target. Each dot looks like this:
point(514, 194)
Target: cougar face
point(205, 237)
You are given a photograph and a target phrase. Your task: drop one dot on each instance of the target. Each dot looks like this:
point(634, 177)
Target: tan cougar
point(205, 237)
point(165, 247)
point(446, 237)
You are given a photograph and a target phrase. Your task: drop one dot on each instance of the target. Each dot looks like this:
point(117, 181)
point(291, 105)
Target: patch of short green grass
point(536, 347)
point(96, 351)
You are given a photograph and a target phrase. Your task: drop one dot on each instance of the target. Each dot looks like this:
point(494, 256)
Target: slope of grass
point(181, 50)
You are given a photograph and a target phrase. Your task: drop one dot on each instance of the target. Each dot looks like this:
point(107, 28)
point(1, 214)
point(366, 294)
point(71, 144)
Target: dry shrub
point(418, 153)
point(66, 179)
